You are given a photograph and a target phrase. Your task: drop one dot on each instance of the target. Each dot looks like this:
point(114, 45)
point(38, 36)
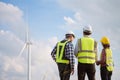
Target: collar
point(86, 35)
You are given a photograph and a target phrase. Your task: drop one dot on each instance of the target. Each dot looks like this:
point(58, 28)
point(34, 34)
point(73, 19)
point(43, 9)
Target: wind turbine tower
point(27, 46)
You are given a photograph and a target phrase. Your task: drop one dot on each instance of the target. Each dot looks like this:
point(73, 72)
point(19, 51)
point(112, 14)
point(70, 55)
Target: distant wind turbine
point(27, 45)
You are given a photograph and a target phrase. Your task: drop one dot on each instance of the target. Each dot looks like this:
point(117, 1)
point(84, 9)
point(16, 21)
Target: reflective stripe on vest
point(60, 52)
point(86, 52)
point(109, 59)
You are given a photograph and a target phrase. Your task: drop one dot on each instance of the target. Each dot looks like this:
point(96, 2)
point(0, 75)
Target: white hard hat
point(87, 28)
point(70, 33)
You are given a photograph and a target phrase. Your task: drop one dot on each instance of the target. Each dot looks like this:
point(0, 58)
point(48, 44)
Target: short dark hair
point(69, 35)
point(106, 45)
point(87, 33)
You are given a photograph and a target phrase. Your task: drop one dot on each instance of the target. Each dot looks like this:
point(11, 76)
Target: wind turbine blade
point(19, 53)
point(22, 50)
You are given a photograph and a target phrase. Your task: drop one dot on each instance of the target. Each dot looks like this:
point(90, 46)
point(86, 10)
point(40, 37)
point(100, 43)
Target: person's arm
point(95, 50)
point(76, 49)
point(53, 53)
point(103, 58)
point(70, 52)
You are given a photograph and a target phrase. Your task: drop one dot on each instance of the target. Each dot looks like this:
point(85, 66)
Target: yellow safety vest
point(86, 52)
point(60, 52)
point(109, 59)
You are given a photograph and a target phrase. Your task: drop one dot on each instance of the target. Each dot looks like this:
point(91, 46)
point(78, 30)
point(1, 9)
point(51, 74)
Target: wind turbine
point(27, 45)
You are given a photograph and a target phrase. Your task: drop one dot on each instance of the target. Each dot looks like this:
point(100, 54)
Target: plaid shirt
point(69, 53)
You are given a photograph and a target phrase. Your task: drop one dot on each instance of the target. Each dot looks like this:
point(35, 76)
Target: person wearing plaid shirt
point(66, 63)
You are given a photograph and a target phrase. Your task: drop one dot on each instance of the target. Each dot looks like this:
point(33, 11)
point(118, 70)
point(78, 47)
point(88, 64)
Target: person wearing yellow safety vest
point(86, 52)
point(63, 55)
point(106, 60)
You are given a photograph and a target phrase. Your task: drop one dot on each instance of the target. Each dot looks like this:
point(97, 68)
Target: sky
point(48, 21)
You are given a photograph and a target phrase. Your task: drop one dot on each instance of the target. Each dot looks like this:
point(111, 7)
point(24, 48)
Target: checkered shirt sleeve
point(53, 53)
point(69, 52)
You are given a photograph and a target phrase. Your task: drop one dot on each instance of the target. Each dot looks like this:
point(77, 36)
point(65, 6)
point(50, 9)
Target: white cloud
point(53, 41)
point(78, 17)
point(73, 23)
point(11, 42)
point(69, 20)
point(17, 66)
point(12, 64)
point(102, 15)
point(10, 13)
point(11, 67)
point(11, 18)
point(42, 63)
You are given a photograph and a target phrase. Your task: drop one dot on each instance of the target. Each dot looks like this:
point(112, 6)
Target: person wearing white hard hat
point(63, 55)
point(86, 53)
point(87, 29)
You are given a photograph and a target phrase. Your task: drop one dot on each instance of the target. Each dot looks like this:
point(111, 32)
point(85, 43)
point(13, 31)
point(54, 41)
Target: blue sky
point(48, 21)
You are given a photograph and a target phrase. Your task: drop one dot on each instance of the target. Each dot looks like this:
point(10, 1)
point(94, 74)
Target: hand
point(72, 71)
point(97, 63)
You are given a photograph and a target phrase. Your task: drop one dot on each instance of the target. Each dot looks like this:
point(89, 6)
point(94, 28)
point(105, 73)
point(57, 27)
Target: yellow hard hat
point(105, 40)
